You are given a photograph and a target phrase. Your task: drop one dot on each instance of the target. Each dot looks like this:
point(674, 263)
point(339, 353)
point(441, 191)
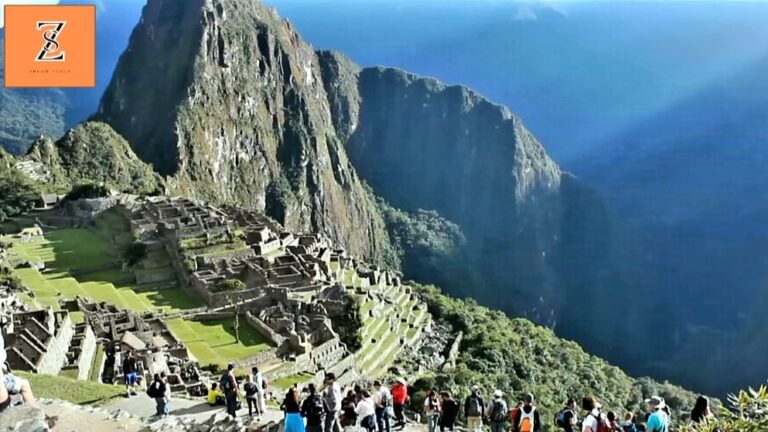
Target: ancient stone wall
point(55, 356)
point(266, 330)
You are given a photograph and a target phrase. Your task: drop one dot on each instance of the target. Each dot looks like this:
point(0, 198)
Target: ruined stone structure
point(39, 341)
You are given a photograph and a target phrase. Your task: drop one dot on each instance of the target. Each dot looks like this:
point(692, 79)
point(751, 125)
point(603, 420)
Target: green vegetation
point(17, 193)
point(748, 413)
point(87, 191)
point(517, 356)
point(68, 389)
point(428, 244)
point(213, 341)
point(66, 253)
point(94, 153)
point(230, 285)
point(287, 382)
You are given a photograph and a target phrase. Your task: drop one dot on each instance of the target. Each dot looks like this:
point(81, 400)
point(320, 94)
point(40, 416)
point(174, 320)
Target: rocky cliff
point(226, 99)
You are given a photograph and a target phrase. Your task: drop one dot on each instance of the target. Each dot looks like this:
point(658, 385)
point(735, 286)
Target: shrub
point(87, 191)
point(230, 285)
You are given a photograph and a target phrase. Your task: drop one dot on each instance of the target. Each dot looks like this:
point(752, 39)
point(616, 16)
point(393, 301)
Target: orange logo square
point(50, 46)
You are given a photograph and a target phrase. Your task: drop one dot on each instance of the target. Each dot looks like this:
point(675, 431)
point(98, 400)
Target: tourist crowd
point(380, 408)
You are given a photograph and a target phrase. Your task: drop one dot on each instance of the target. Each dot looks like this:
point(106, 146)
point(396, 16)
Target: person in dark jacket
point(449, 414)
point(528, 418)
point(474, 410)
point(313, 409)
point(348, 414)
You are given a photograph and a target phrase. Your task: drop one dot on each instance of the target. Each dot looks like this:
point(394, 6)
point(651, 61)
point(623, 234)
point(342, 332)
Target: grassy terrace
point(79, 392)
point(83, 262)
point(375, 358)
point(213, 342)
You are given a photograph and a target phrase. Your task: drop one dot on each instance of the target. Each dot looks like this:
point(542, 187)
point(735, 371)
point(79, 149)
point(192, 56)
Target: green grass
point(76, 249)
point(287, 382)
point(64, 250)
point(79, 392)
point(213, 342)
point(69, 373)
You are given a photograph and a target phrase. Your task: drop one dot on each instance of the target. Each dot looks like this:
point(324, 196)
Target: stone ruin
point(147, 336)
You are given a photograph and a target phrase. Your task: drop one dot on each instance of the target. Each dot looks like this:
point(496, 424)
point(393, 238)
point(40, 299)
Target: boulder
point(23, 418)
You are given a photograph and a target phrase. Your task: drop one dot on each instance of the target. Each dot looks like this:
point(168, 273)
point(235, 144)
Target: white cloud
point(21, 2)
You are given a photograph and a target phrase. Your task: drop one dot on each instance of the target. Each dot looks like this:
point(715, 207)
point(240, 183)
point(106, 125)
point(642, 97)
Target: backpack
point(225, 384)
point(386, 399)
point(602, 423)
point(475, 408)
point(264, 383)
point(152, 391)
point(498, 415)
point(317, 407)
point(560, 418)
point(526, 420)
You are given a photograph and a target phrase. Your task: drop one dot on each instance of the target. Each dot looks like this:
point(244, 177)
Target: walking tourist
point(450, 411)
point(292, 408)
point(497, 412)
point(332, 396)
point(399, 399)
point(474, 410)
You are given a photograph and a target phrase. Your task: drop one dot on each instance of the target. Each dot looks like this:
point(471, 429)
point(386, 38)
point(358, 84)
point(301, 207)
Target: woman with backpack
point(348, 414)
point(313, 409)
point(292, 408)
point(156, 391)
point(251, 396)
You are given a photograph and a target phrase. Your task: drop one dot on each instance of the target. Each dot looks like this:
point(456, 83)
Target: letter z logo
point(51, 50)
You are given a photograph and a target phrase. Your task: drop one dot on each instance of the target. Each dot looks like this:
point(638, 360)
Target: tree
point(18, 193)
point(230, 287)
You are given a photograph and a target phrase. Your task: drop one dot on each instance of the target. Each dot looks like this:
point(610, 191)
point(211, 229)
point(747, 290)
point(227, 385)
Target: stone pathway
point(197, 410)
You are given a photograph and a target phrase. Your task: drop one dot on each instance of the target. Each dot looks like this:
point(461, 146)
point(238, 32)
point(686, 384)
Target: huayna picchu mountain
point(225, 99)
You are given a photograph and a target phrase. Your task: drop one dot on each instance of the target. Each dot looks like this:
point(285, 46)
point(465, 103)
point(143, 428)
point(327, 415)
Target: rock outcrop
point(91, 152)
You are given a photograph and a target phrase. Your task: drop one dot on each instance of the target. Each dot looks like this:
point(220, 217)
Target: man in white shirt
point(258, 380)
point(383, 400)
point(332, 397)
point(594, 417)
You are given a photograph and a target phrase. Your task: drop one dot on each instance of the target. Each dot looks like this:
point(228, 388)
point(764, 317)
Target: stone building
point(38, 341)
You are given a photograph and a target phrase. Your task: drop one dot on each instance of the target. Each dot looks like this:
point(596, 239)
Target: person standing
point(567, 418)
point(156, 391)
point(432, 410)
point(261, 390)
point(594, 418)
point(313, 409)
point(332, 397)
point(658, 421)
point(497, 412)
point(528, 418)
point(474, 409)
point(292, 408)
point(628, 425)
point(366, 411)
point(399, 399)
point(348, 404)
point(166, 392)
point(450, 412)
point(228, 384)
point(383, 400)
point(701, 411)
point(130, 373)
point(251, 390)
